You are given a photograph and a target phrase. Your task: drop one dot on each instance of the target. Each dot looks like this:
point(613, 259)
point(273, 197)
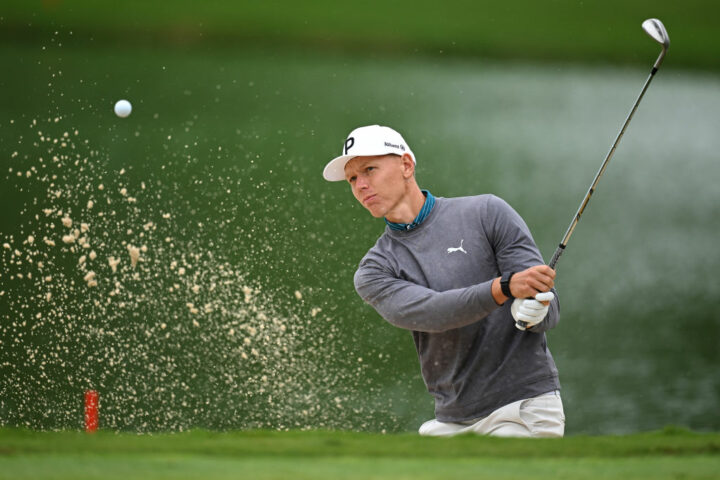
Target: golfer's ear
point(408, 165)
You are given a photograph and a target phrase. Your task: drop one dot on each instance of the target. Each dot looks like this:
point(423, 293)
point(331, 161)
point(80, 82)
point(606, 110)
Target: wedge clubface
point(657, 32)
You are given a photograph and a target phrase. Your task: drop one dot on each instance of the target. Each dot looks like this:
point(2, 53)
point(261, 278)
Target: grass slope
point(322, 454)
point(559, 30)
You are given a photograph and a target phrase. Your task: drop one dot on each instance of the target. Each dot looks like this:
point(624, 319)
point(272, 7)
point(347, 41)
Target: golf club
point(657, 32)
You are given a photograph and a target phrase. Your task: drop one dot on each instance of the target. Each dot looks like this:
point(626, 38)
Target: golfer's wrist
point(505, 284)
point(496, 291)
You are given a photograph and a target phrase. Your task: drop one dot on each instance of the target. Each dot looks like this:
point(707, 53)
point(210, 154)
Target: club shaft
point(561, 248)
point(656, 30)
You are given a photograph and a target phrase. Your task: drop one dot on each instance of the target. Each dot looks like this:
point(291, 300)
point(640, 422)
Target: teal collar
point(424, 212)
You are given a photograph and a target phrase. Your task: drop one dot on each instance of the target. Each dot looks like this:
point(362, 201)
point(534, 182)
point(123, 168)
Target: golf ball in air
point(123, 108)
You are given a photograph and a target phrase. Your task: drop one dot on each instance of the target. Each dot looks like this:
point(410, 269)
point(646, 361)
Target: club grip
point(556, 256)
point(553, 261)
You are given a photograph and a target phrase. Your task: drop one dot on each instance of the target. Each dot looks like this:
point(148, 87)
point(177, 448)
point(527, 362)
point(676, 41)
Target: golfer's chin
point(375, 210)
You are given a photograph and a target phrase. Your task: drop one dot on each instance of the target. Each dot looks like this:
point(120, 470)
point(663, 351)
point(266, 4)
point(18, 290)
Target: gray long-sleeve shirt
point(435, 281)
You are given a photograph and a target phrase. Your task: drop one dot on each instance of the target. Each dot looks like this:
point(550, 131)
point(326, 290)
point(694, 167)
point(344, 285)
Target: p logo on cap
point(366, 141)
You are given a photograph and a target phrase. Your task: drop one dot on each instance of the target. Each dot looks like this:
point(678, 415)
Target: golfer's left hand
point(531, 310)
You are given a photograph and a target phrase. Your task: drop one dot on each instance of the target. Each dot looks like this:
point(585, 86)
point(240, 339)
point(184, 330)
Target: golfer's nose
point(361, 183)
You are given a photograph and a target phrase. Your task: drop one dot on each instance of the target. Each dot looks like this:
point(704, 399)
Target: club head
point(656, 30)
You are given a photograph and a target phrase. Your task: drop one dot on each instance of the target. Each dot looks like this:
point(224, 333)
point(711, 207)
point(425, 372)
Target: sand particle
point(134, 255)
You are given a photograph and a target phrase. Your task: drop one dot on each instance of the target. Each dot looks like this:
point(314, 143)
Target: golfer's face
point(377, 182)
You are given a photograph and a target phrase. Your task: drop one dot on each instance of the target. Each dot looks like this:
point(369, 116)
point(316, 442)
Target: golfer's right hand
point(530, 282)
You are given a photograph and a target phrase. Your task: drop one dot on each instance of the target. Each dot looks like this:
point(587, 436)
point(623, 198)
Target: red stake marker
point(91, 411)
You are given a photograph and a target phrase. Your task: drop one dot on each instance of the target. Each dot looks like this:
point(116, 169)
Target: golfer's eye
point(369, 169)
point(352, 179)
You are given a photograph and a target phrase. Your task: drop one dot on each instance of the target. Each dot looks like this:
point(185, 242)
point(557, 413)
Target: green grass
point(591, 31)
point(193, 466)
point(321, 454)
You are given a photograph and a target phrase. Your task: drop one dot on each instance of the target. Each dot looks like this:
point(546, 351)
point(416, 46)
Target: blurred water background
point(190, 263)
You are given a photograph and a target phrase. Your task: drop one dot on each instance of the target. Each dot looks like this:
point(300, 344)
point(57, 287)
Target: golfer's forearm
point(417, 308)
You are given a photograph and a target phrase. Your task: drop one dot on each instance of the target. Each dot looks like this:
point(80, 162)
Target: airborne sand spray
point(110, 285)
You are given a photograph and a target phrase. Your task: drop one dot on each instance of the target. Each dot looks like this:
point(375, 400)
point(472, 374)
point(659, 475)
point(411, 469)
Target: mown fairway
point(329, 455)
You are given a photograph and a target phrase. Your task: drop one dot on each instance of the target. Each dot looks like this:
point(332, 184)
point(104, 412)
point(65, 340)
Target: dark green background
point(236, 110)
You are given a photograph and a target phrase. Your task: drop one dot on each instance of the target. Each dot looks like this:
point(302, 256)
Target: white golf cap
point(366, 142)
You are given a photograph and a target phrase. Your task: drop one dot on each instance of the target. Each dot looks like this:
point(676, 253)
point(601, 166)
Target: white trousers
point(540, 416)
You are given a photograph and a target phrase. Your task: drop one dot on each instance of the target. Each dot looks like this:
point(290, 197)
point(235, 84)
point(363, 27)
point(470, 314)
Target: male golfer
point(458, 273)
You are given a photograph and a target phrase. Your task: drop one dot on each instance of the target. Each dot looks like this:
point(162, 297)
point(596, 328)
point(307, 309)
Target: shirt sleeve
point(515, 250)
point(414, 307)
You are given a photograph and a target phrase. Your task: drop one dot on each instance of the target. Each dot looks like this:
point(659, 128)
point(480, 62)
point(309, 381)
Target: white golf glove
point(528, 312)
